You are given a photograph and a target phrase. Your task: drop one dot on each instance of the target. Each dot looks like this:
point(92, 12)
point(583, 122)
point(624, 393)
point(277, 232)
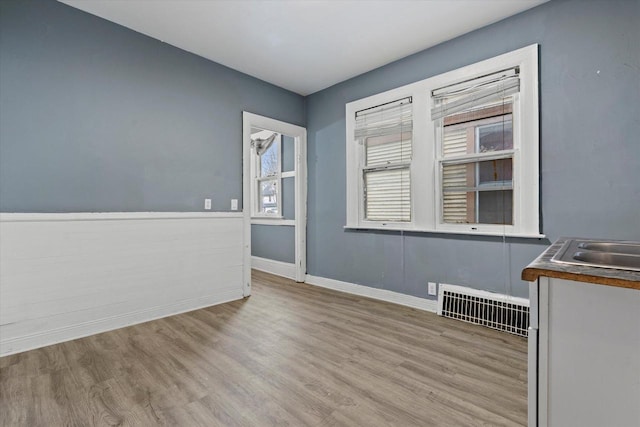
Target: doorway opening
point(274, 197)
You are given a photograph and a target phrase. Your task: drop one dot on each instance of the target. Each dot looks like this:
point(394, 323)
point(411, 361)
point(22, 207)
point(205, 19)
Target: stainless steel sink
point(609, 259)
point(618, 248)
point(595, 253)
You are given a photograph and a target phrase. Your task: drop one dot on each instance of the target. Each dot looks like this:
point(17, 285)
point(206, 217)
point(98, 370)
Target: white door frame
point(250, 120)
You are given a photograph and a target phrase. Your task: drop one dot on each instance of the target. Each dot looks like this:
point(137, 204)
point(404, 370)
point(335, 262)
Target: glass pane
point(269, 161)
point(388, 149)
point(485, 129)
point(478, 175)
point(388, 195)
point(268, 197)
point(495, 136)
point(478, 207)
point(478, 192)
point(495, 172)
point(495, 207)
point(454, 208)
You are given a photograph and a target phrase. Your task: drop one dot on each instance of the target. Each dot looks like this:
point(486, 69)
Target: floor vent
point(497, 311)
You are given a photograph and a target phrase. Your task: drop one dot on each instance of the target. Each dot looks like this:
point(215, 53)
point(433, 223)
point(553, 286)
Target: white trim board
point(279, 268)
point(250, 121)
point(375, 293)
point(102, 216)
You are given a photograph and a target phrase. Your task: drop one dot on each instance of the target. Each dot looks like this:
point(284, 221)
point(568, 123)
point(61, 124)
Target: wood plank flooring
point(291, 354)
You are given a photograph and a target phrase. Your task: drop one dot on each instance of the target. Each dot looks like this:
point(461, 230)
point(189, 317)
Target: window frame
point(365, 168)
point(512, 153)
point(356, 153)
point(425, 174)
point(256, 181)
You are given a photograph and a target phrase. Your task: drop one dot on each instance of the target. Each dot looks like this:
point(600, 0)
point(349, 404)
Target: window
point(455, 153)
point(266, 173)
point(384, 133)
point(476, 149)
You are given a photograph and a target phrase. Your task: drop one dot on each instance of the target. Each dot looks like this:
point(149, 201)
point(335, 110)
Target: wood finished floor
point(292, 354)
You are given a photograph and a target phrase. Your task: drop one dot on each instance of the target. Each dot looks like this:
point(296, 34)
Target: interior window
point(267, 172)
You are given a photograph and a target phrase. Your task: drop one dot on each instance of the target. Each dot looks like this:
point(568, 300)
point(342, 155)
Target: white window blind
point(387, 119)
point(469, 94)
point(388, 195)
point(454, 202)
point(385, 132)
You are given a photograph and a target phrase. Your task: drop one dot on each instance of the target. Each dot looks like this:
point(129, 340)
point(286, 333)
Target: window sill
point(272, 220)
point(434, 231)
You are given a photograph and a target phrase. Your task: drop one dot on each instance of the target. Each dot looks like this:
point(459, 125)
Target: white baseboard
point(68, 333)
point(375, 293)
point(279, 268)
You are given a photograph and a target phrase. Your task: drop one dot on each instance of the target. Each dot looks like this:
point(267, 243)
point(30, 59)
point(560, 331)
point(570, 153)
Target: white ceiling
point(303, 45)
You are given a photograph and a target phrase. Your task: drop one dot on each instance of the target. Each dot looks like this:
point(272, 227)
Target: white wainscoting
point(65, 276)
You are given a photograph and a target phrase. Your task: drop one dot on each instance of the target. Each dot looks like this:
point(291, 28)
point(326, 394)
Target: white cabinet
point(585, 355)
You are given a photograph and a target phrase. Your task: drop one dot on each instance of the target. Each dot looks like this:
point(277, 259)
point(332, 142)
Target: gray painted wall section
point(289, 198)
point(275, 242)
point(96, 117)
point(590, 155)
point(288, 153)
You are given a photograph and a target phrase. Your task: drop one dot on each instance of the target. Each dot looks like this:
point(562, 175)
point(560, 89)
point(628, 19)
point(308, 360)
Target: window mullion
point(403, 165)
point(477, 157)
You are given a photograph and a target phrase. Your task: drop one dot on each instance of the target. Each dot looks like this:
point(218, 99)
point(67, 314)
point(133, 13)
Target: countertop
point(543, 266)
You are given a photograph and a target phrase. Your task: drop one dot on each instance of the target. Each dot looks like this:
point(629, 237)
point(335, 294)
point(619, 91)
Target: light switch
point(234, 204)
point(207, 204)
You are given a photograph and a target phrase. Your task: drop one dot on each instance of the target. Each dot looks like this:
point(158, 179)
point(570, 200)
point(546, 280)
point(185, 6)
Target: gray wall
point(96, 117)
point(590, 151)
point(288, 153)
point(275, 242)
point(289, 198)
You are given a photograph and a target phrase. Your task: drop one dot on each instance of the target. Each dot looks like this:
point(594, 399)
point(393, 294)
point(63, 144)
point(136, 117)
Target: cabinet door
point(593, 355)
point(543, 351)
point(532, 375)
